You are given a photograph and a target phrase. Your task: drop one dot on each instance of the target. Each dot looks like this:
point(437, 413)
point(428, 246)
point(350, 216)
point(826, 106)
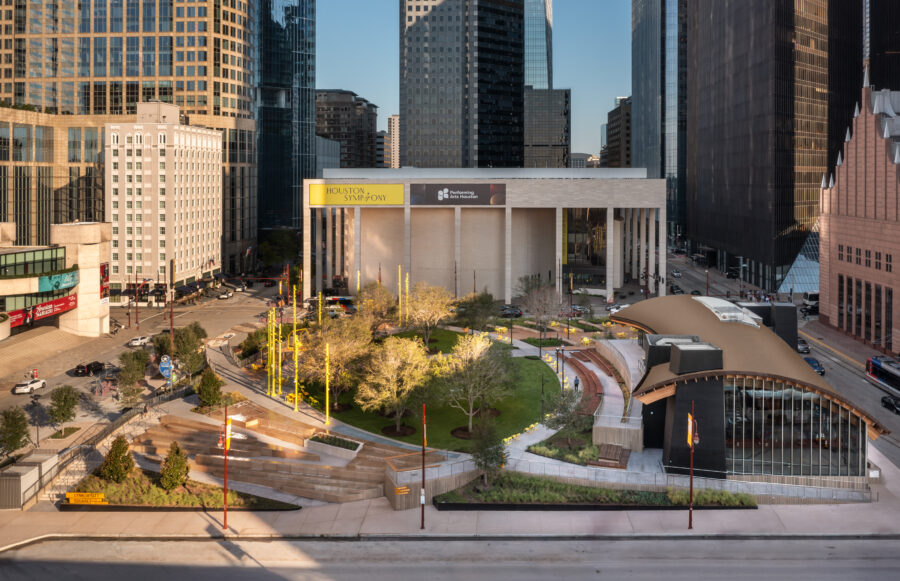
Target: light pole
point(707, 282)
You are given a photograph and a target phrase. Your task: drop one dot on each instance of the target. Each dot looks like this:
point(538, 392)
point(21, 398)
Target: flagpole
point(424, 444)
point(691, 436)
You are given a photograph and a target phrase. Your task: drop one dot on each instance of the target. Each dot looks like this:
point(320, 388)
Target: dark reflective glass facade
point(883, 43)
point(539, 44)
point(548, 124)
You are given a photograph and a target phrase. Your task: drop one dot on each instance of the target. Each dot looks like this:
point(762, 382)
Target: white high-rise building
point(394, 131)
point(163, 195)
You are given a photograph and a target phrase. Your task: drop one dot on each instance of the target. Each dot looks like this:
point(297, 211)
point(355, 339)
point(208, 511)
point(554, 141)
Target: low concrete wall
point(630, 435)
point(336, 451)
point(433, 488)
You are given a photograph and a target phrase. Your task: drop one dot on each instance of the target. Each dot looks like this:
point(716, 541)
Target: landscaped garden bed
point(516, 491)
point(568, 446)
point(65, 432)
point(334, 446)
point(141, 489)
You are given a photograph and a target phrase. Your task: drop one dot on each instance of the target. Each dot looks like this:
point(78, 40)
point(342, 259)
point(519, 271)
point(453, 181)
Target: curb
point(443, 537)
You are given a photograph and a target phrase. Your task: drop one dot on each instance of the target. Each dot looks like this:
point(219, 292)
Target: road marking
point(832, 349)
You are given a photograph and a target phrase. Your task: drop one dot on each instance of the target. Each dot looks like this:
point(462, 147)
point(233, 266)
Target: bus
point(885, 372)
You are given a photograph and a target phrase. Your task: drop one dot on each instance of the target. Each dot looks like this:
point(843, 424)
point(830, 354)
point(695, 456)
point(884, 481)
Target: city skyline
point(591, 56)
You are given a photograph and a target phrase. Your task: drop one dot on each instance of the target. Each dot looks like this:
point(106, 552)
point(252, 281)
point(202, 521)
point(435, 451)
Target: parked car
point(138, 342)
point(616, 308)
point(240, 288)
point(892, 403)
point(814, 363)
point(676, 273)
point(92, 368)
point(29, 386)
point(510, 312)
point(696, 293)
point(802, 346)
point(225, 295)
point(580, 310)
point(677, 290)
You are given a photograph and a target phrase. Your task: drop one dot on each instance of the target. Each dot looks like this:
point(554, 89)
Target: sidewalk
point(853, 351)
point(375, 518)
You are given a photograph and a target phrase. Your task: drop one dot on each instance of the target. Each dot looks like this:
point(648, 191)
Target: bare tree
point(394, 373)
point(565, 414)
point(428, 307)
point(542, 302)
point(348, 340)
point(378, 303)
point(475, 375)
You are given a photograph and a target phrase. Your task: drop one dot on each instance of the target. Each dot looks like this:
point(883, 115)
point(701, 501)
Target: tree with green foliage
point(475, 309)
point(134, 369)
point(119, 462)
point(174, 469)
point(564, 413)
point(188, 349)
point(348, 340)
point(63, 400)
point(210, 389)
point(488, 450)
point(378, 303)
point(398, 368)
point(428, 307)
point(279, 246)
point(162, 344)
point(475, 375)
point(253, 343)
point(13, 430)
point(198, 330)
point(584, 300)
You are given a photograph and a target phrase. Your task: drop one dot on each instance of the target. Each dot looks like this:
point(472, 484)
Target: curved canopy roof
point(747, 349)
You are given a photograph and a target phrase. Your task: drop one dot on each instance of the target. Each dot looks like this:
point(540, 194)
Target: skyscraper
point(351, 120)
point(882, 43)
point(461, 83)
point(394, 131)
point(659, 107)
point(539, 44)
point(771, 89)
point(618, 145)
point(286, 77)
point(80, 65)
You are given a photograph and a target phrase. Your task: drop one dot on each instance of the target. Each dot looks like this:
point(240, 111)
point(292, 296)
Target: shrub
point(63, 401)
point(13, 430)
point(210, 389)
point(119, 462)
point(174, 470)
point(335, 441)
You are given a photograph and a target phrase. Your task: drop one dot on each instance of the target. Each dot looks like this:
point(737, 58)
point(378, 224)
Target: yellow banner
point(86, 498)
point(356, 194)
point(690, 431)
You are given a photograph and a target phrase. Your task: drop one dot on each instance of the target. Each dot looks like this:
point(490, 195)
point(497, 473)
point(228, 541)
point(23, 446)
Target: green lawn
point(545, 342)
point(518, 411)
point(442, 339)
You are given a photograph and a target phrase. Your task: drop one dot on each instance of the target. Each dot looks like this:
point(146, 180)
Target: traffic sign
point(401, 490)
point(86, 498)
point(165, 366)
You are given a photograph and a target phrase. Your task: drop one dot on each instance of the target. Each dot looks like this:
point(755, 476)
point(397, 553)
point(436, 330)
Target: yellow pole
point(269, 353)
point(357, 282)
point(279, 356)
point(400, 294)
point(320, 308)
point(296, 390)
point(407, 297)
point(327, 385)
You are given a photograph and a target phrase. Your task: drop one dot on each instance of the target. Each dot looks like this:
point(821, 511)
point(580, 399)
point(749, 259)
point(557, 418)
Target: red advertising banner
point(42, 311)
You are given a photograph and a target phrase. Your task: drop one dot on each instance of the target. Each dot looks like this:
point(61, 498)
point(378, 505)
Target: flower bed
point(334, 446)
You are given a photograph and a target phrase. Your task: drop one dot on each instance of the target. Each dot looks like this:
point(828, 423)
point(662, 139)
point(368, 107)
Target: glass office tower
point(539, 44)
point(287, 109)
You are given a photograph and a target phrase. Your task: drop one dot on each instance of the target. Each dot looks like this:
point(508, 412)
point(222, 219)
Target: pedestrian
point(577, 381)
point(146, 409)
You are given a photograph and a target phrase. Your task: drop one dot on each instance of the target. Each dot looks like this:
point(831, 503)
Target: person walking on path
point(577, 381)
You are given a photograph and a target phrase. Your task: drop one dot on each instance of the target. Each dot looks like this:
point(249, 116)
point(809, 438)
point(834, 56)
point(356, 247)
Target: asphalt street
point(520, 560)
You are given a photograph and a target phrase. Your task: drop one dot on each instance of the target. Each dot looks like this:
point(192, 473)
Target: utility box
point(15, 482)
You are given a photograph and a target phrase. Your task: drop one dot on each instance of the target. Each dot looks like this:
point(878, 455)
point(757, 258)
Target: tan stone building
point(164, 199)
point(475, 229)
point(65, 281)
point(860, 227)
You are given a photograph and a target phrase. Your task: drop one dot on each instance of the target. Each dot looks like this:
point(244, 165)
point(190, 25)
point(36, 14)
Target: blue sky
point(357, 44)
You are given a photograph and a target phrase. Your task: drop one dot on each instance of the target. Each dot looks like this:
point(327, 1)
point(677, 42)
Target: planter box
point(336, 451)
point(581, 507)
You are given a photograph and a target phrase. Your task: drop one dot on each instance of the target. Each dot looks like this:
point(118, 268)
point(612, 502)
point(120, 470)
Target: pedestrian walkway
point(847, 348)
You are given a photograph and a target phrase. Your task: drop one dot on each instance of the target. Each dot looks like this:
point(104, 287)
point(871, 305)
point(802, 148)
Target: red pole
point(225, 497)
point(424, 443)
point(691, 500)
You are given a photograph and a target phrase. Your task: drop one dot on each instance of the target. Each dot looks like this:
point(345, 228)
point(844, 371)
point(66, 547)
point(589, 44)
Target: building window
point(858, 256)
point(868, 259)
point(840, 252)
point(888, 266)
point(877, 261)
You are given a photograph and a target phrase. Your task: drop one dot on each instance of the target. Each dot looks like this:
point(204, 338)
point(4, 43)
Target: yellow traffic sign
point(401, 490)
point(86, 498)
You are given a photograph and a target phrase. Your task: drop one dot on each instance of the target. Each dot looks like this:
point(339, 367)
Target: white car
point(616, 308)
point(240, 288)
point(676, 273)
point(138, 342)
point(226, 295)
point(29, 386)
point(612, 307)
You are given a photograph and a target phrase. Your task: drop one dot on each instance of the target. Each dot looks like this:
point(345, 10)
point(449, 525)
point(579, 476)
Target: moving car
point(138, 342)
point(92, 368)
point(616, 308)
point(814, 363)
point(29, 386)
point(892, 403)
point(676, 273)
point(802, 346)
point(240, 288)
point(225, 295)
point(696, 293)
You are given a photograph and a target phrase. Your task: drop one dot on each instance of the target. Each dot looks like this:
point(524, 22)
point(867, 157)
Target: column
point(507, 257)
point(357, 241)
point(329, 246)
point(340, 264)
point(662, 252)
point(307, 243)
point(610, 254)
point(626, 241)
point(407, 247)
point(457, 248)
point(557, 267)
point(651, 249)
point(642, 245)
point(635, 273)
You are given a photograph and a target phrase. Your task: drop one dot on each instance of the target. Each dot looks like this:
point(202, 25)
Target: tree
point(198, 331)
point(397, 370)
point(13, 430)
point(210, 389)
point(488, 451)
point(118, 463)
point(63, 401)
point(188, 348)
point(475, 309)
point(174, 469)
point(279, 246)
point(162, 344)
point(428, 307)
point(564, 414)
point(134, 367)
point(542, 302)
point(378, 303)
point(348, 340)
point(475, 375)
point(584, 300)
